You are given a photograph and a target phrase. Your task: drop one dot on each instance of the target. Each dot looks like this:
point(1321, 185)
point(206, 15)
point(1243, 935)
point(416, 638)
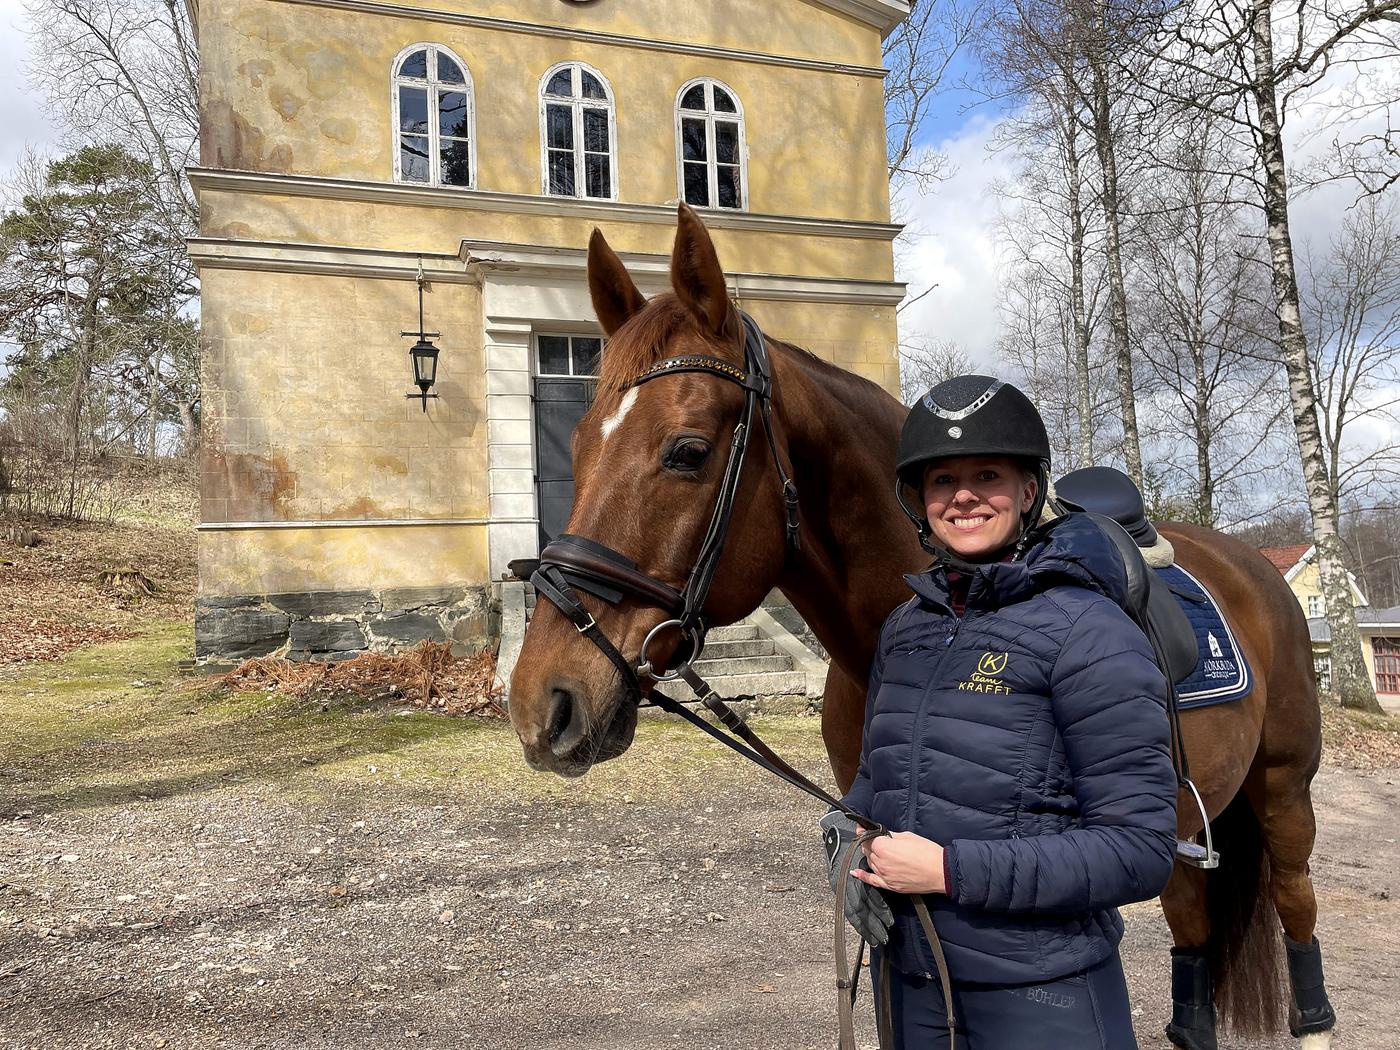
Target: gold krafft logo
point(992, 663)
point(984, 679)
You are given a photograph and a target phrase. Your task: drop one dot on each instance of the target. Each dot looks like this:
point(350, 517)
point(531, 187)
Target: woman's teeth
point(968, 523)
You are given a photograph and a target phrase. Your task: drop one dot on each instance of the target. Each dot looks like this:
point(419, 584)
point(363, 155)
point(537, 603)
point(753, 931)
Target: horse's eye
point(686, 455)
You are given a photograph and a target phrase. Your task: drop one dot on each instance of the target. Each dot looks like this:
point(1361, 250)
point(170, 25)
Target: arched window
point(710, 146)
point(435, 117)
point(578, 141)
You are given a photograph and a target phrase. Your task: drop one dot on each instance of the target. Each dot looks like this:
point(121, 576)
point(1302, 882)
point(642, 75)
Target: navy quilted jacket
point(1029, 737)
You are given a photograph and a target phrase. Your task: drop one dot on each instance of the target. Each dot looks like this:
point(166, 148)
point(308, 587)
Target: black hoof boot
point(1311, 1010)
point(1193, 1001)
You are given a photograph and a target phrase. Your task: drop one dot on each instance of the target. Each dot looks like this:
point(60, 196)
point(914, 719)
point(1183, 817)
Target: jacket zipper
point(914, 743)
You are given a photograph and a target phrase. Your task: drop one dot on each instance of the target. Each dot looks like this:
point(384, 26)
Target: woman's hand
point(903, 862)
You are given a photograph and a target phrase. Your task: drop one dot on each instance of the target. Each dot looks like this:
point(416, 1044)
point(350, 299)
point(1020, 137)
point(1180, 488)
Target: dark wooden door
point(559, 404)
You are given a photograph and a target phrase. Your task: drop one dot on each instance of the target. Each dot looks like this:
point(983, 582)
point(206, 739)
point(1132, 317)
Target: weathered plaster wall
point(272, 561)
point(422, 228)
point(292, 88)
point(304, 412)
point(858, 338)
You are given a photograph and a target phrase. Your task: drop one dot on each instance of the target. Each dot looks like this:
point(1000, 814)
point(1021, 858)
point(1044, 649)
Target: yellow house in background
point(1380, 628)
point(350, 146)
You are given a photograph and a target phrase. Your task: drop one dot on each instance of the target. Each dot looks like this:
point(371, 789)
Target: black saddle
point(1111, 493)
point(1111, 499)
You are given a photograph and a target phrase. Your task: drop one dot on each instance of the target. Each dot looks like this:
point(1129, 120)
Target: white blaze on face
point(615, 420)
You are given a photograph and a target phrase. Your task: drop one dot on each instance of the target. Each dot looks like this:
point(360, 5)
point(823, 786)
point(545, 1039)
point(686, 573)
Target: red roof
point(1284, 558)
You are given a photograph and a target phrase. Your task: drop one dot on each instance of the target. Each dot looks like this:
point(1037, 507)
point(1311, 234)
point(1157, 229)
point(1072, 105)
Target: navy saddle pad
point(1222, 674)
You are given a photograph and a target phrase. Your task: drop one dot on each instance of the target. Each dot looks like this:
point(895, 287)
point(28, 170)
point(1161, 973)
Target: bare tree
point(924, 363)
point(125, 72)
point(1199, 284)
point(1351, 312)
point(1073, 49)
point(1218, 57)
point(920, 55)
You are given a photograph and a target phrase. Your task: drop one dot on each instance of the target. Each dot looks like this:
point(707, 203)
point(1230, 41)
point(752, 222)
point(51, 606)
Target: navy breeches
point(1084, 1011)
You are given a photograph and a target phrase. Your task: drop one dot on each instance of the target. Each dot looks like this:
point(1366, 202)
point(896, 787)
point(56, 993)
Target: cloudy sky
point(21, 117)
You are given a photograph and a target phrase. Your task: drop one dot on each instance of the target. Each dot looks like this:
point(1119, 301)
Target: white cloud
point(950, 242)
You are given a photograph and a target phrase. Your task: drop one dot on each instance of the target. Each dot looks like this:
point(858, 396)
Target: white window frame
point(433, 87)
point(570, 336)
point(1316, 606)
point(577, 105)
point(711, 160)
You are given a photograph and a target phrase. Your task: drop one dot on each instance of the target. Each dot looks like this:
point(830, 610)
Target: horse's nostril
point(561, 720)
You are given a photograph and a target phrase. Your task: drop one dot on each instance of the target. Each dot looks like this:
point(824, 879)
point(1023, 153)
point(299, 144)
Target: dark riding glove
point(866, 908)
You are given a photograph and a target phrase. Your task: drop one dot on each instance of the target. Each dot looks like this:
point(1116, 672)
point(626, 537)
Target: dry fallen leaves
point(1360, 741)
point(426, 676)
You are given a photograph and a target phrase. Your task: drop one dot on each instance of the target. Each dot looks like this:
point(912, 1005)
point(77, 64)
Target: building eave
point(882, 14)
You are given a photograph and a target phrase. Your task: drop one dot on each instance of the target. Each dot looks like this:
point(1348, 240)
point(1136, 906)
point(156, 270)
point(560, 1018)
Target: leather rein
point(570, 562)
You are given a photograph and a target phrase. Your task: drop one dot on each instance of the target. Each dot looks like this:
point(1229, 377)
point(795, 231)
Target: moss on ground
point(119, 722)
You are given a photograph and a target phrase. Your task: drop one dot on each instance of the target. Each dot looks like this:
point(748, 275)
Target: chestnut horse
point(647, 461)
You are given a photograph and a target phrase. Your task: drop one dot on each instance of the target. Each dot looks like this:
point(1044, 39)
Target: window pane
point(595, 130)
point(415, 65)
point(561, 172)
point(692, 139)
point(413, 157)
point(554, 355)
point(728, 186)
point(694, 98)
point(413, 110)
point(726, 142)
point(697, 185)
point(562, 83)
point(596, 167)
point(561, 126)
point(456, 162)
point(448, 71)
point(586, 356)
point(592, 86)
point(724, 102)
point(452, 113)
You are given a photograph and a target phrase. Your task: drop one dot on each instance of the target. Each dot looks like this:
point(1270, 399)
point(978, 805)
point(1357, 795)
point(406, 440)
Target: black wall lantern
point(423, 352)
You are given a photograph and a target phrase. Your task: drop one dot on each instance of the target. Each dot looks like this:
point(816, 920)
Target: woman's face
point(974, 503)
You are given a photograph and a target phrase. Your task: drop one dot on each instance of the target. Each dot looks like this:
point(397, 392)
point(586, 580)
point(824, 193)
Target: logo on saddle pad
point(984, 679)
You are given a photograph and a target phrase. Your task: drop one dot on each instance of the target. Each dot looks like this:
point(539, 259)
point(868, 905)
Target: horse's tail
point(1245, 947)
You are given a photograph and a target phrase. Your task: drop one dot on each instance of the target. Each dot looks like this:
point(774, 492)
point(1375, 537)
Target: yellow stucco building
point(1379, 628)
point(348, 145)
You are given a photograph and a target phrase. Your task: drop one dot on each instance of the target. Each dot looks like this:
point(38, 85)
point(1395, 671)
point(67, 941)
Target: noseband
point(570, 562)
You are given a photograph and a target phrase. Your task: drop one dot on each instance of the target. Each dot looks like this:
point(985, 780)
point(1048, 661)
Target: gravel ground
point(255, 877)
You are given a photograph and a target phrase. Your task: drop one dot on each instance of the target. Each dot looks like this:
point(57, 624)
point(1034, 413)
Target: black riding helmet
point(969, 415)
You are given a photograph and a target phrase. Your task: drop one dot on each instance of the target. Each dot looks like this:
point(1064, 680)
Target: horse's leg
point(1192, 1026)
point(1282, 800)
point(843, 722)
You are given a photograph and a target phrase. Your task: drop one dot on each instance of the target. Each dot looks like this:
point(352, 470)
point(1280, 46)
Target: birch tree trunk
point(1083, 402)
point(1349, 676)
point(1117, 293)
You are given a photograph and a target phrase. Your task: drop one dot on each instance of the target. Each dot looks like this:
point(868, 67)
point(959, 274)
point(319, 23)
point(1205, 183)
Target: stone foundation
point(336, 625)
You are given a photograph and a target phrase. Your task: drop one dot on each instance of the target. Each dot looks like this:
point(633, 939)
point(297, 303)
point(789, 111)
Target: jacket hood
point(1068, 550)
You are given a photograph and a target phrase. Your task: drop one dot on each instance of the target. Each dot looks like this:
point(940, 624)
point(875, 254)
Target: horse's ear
point(696, 275)
point(615, 296)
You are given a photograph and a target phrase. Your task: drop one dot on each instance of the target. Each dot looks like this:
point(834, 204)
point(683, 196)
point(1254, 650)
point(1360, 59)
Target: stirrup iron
point(1194, 853)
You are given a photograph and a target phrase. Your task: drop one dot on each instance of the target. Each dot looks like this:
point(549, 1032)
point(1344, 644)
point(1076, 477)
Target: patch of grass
point(117, 723)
